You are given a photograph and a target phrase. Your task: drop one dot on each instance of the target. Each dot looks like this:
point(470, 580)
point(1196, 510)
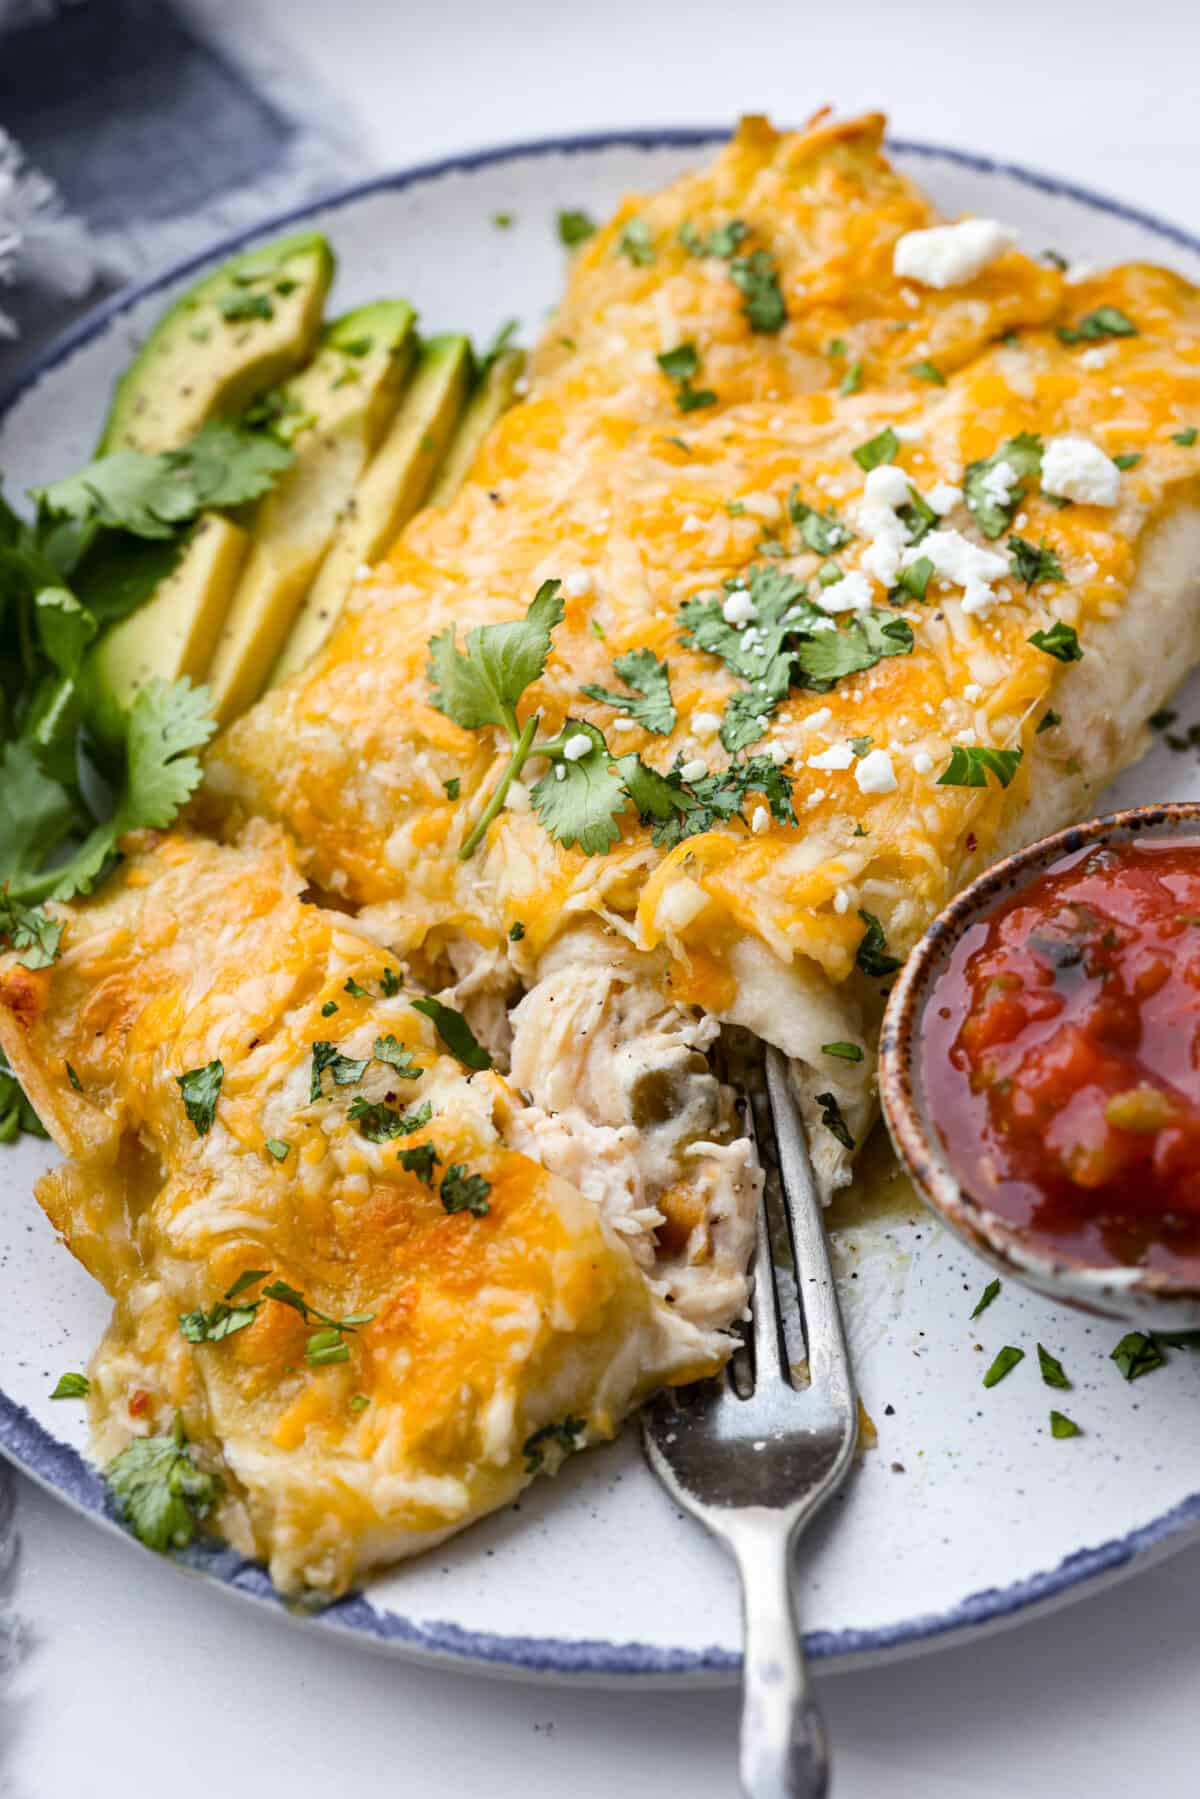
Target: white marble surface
point(131, 1680)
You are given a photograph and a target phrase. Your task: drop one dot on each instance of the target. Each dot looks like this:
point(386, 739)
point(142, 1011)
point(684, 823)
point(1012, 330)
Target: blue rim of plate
point(59, 1468)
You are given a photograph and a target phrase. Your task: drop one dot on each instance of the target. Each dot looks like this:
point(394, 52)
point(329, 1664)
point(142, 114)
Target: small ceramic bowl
point(1149, 1297)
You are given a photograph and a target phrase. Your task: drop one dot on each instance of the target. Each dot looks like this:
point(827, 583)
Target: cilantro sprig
point(649, 704)
point(159, 1491)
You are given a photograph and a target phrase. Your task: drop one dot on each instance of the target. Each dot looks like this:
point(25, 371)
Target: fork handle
point(784, 1754)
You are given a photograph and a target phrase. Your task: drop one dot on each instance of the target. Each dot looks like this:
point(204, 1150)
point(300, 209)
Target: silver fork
point(755, 1452)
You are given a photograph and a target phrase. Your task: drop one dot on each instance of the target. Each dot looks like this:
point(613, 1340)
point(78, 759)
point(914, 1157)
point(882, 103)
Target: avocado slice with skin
point(341, 405)
point(175, 632)
point(244, 327)
point(396, 482)
point(492, 397)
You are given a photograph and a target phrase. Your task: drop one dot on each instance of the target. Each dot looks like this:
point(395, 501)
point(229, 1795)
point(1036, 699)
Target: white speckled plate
point(967, 1512)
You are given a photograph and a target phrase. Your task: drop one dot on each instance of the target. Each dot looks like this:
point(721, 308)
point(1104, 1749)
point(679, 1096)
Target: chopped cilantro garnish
point(379, 1123)
point(453, 787)
point(650, 704)
point(329, 1008)
point(1093, 327)
point(390, 983)
point(346, 1070)
point(756, 278)
point(723, 241)
point(31, 932)
point(454, 1032)
point(872, 955)
point(992, 511)
point(398, 1057)
point(928, 371)
point(1053, 1373)
point(574, 227)
point(327, 1345)
point(852, 380)
point(1136, 1354)
point(681, 365)
point(564, 1436)
point(201, 1088)
point(832, 1119)
point(676, 809)
point(516, 931)
point(275, 1146)
point(846, 1052)
point(1006, 1360)
point(970, 764)
point(74, 1079)
point(1187, 437)
point(463, 1192)
point(1060, 641)
point(503, 221)
point(823, 532)
point(1127, 460)
point(72, 1386)
point(914, 580)
point(159, 1491)
point(883, 447)
point(1048, 720)
point(636, 242)
point(420, 1160)
point(355, 989)
point(359, 1402)
point(1032, 564)
point(1062, 1426)
point(986, 1297)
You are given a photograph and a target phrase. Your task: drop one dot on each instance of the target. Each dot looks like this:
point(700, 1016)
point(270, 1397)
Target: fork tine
point(828, 1360)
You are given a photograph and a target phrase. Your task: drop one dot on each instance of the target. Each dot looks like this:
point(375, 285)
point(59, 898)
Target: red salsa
point(1061, 1057)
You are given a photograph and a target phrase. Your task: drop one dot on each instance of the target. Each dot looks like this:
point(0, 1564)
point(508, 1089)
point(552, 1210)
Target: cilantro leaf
point(36, 814)
point(152, 495)
point(464, 1192)
point(1006, 1360)
point(872, 955)
point(970, 764)
point(32, 934)
point(989, 1293)
point(580, 801)
point(16, 1113)
point(722, 240)
point(928, 371)
point(574, 227)
point(380, 1123)
point(681, 365)
point(564, 1435)
point(867, 639)
point(992, 512)
point(159, 1491)
point(1185, 438)
point(346, 1070)
point(454, 1032)
point(201, 1088)
point(883, 447)
point(72, 1386)
point(420, 1160)
point(832, 1119)
point(650, 703)
point(1136, 1354)
point(756, 278)
point(1060, 641)
point(823, 532)
point(845, 1052)
point(1094, 327)
point(1053, 1373)
point(1062, 1426)
point(1031, 565)
point(677, 810)
point(398, 1056)
point(636, 243)
point(482, 685)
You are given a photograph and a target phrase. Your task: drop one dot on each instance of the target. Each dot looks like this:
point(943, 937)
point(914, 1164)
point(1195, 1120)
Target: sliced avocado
point(245, 327)
point(174, 634)
point(340, 407)
point(493, 396)
point(395, 484)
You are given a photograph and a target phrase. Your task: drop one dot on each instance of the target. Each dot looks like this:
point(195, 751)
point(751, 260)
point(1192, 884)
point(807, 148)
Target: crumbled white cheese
point(838, 755)
point(1096, 357)
point(578, 584)
point(577, 747)
point(841, 901)
point(946, 255)
point(739, 609)
point(1074, 468)
point(705, 725)
point(999, 482)
point(694, 770)
point(816, 719)
point(923, 762)
point(887, 485)
point(761, 821)
point(1078, 272)
point(851, 594)
point(875, 774)
point(958, 559)
point(363, 571)
point(778, 752)
point(971, 692)
point(943, 496)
